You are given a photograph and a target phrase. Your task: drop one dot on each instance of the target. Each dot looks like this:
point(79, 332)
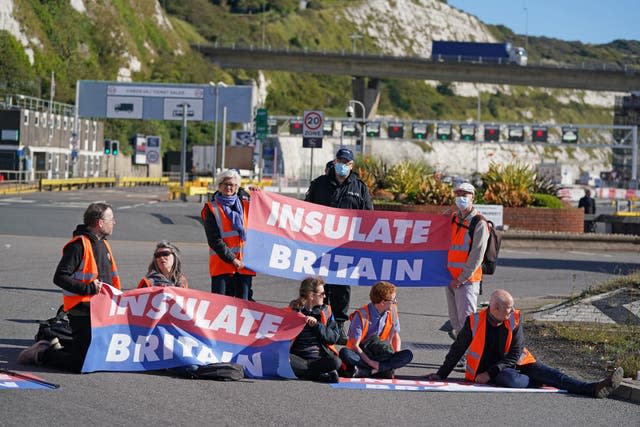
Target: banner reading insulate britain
point(166, 327)
point(294, 239)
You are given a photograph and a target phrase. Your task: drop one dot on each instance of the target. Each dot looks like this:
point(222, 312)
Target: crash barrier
point(46, 184)
point(16, 187)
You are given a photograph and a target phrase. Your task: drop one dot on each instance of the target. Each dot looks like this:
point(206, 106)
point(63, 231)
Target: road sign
point(262, 123)
point(311, 142)
point(313, 123)
point(152, 150)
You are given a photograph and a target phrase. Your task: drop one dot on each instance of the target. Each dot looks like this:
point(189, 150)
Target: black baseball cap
point(345, 153)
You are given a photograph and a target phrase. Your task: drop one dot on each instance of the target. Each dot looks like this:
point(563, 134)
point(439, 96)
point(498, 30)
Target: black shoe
point(461, 366)
point(330, 377)
point(605, 387)
point(362, 372)
point(388, 374)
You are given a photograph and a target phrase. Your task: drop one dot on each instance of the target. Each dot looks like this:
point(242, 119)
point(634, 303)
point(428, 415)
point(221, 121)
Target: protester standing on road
point(313, 355)
point(587, 203)
point(497, 355)
point(225, 220)
point(87, 263)
point(464, 258)
point(165, 268)
point(374, 345)
point(341, 188)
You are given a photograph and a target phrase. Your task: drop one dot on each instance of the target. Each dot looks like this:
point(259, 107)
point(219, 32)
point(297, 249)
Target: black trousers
point(338, 297)
point(74, 359)
point(312, 369)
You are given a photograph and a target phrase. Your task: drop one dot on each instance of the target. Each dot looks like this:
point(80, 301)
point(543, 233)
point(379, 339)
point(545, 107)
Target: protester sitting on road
point(373, 345)
point(225, 224)
point(87, 263)
point(497, 354)
point(165, 268)
point(313, 355)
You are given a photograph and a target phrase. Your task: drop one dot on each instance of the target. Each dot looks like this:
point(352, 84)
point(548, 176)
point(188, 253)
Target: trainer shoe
point(361, 372)
point(330, 377)
point(605, 387)
point(32, 354)
point(55, 344)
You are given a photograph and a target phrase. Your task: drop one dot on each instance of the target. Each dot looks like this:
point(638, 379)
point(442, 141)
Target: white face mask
point(342, 169)
point(463, 203)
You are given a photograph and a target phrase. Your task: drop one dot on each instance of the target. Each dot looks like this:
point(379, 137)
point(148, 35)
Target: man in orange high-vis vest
point(87, 263)
point(464, 259)
point(376, 320)
point(494, 343)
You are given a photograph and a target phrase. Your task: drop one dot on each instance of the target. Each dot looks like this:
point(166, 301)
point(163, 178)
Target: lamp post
point(526, 30)
point(351, 109)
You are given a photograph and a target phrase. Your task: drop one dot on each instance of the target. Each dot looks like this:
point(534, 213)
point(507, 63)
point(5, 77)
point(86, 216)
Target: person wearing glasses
point(374, 346)
point(165, 268)
point(312, 354)
point(225, 224)
point(87, 264)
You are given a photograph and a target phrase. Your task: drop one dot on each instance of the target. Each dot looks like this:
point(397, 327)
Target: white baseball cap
point(466, 187)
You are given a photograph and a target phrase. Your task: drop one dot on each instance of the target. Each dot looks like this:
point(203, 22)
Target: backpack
point(56, 327)
point(490, 259)
point(220, 372)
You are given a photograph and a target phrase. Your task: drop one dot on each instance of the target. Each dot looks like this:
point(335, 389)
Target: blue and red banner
point(424, 385)
point(166, 327)
point(294, 239)
point(10, 380)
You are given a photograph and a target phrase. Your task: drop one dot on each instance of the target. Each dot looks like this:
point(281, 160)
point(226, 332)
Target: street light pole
point(526, 30)
point(363, 123)
point(214, 168)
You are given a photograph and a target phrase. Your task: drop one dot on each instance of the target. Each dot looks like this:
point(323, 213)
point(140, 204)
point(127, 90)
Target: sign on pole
point(153, 150)
point(262, 123)
point(312, 129)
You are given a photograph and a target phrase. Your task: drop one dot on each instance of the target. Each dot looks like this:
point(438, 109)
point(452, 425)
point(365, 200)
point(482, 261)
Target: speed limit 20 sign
point(313, 124)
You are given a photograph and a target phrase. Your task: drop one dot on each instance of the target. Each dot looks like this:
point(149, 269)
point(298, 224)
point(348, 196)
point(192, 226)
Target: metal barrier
point(71, 183)
point(130, 181)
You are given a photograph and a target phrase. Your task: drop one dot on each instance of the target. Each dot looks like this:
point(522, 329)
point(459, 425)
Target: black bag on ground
point(220, 372)
point(376, 349)
point(56, 327)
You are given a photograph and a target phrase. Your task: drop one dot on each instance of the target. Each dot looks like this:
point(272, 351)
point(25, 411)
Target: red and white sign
point(313, 124)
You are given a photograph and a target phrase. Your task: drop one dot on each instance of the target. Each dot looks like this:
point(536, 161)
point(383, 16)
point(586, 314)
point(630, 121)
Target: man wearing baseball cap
point(341, 188)
point(464, 259)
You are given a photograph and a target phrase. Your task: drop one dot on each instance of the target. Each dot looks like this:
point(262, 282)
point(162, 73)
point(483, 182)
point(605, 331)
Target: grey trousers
point(461, 302)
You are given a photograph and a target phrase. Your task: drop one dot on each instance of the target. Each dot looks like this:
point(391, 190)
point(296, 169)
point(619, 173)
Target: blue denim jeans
point(398, 360)
point(538, 374)
point(236, 285)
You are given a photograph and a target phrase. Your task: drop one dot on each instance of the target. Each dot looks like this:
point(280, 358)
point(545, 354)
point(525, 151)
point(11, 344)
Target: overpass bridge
point(377, 67)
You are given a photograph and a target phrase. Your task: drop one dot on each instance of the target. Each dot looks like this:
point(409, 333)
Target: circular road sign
point(153, 156)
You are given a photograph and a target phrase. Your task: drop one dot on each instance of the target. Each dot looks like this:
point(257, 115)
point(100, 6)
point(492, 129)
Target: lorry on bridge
point(478, 52)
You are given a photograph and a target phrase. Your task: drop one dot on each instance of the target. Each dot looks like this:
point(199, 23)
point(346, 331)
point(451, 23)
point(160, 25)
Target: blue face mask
point(342, 169)
point(463, 203)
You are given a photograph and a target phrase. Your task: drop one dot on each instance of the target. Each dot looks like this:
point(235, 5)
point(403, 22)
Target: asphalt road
point(34, 227)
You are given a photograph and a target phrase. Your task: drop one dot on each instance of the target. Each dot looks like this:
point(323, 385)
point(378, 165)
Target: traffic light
point(395, 130)
point(539, 133)
point(273, 126)
point(516, 133)
point(327, 127)
point(491, 133)
point(468, 132)
point(419, 130)
point(373, 129)
point(107, 147)
point(443, 131)
point(295, 126)
point(570, 134)
point(349, 128)
point(115, 147)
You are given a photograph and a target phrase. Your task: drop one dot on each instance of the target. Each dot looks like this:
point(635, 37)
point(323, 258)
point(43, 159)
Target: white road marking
point(17, 200)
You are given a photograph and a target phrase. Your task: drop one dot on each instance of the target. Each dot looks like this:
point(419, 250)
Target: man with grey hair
point(464, 259)
point(494, 342)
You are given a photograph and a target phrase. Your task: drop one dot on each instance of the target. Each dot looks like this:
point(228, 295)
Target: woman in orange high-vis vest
point(87, 263)
point(165, 268)
point(313, 354)
point(225, 220)
point(496, 354)
point(376, 321)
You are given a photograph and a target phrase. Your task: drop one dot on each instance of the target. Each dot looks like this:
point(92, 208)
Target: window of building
point(36, 120)
point(26, 117)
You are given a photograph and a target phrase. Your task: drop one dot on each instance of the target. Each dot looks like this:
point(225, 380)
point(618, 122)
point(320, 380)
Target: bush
point(509, 185)
point(546, 201)
point(406, 178)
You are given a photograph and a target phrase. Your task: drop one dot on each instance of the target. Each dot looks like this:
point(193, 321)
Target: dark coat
point(351, 194)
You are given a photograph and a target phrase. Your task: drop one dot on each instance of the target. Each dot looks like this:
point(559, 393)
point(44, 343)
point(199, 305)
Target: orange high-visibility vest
point(231, 237)
point(459, 250)
point(88, 271)
point(365, 317)
point(478, 323)
point(147, 282)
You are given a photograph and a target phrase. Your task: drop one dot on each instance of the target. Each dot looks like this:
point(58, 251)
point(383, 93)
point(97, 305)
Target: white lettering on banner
point(345, 266)
point(253, 366)
point(335, 227)
point(199, 311)
point(151, 348)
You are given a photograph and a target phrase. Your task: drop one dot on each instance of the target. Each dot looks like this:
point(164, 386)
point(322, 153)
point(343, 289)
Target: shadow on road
point(24, 288)
point(609, 267)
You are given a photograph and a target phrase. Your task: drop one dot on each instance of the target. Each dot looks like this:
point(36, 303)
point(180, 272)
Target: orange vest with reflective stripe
point(88, 271)
point(478, 323)
point(363, 312)
point(147, 282)
point(231, 237)
point(459, 250)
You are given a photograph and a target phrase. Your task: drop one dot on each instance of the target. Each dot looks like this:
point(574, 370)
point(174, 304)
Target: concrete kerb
point(516, 239)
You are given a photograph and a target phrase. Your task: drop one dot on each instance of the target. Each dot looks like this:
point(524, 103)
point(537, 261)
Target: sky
point(588, 21)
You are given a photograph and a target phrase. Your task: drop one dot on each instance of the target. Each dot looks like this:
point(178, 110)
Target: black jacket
point(351, 194)
point(72, 257)
point(318, 335)
point(493, 358)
